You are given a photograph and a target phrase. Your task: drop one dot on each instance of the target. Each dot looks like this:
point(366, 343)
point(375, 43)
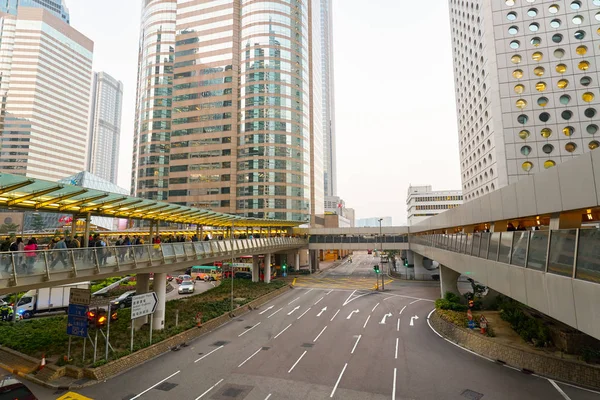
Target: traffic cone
point(43, 363)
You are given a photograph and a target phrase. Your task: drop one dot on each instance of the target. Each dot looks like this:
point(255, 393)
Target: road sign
point(80, 296)
point(143, 304)
point(77, 326)
point(471, 324)
point(77, 310)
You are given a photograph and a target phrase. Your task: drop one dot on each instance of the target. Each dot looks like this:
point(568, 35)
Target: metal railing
point(357, 239)
point(573, 253)
point(15, 266)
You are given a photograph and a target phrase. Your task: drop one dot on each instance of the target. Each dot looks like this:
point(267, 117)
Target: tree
point(6, 228)
point(37, 223)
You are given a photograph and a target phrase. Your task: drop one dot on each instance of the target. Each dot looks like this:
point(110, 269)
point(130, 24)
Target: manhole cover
point(471, 394)
point(239, 320)
point(309, 345)
point(128, 397)
point(220, 343)
point(166, 386)
point(248, 327)
point(266, 348)
point(233, 392)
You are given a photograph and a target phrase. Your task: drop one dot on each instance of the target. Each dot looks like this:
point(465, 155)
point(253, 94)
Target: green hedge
point(530, 329)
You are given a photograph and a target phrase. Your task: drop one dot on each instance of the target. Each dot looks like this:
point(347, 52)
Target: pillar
point(565, 221)
point(86, 231)
point(297, 261)
point(448, 281)
point(255, 269)
point(151, 232)
point(420, 272)
point(142, 285)
point(73, 226)
point(499, 226)
point(268, 268)
point(160, 288)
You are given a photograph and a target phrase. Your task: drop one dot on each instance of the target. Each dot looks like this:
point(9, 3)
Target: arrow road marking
point(411, 320)
point(384, 317)
point(291, 312)
point(350, 315)
point(262, 312)
point(302, 315)
point(334, 315)
point(322, 311)
point(274, 313)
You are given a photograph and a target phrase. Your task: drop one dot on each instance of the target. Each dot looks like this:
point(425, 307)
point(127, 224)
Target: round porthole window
point(516, 59)
point(535, 41)
point(592, 129)
point(590, 112)
point(542, 101)
point(537, 56)
point(575, 5)
point(532, 12)
point(587, 97)
point(524, 134)
point(534, 27)
point(544, 117)
point(540, 86)
point(559, 53)
point(561, 68)
point(546, 133)
point(555, 23)
point(593, 145)
point(527, 166)
point(570, 147)
point(566, 115)
point(577, 20)
point(585, 81)
point(513, 30)
point(519, 88)
point(583, 65)
point(557, 38)
point(581, 50)
point(522, 119)
point(525, 150)
point(549, 164)
point(579, 35)
point(511, 16)
point(562, 84)
point(521, 104)
point(515, 44)
point(553, 9)
point(517, 73)
point(564, 99)
point(568, 131)
point(548, 148)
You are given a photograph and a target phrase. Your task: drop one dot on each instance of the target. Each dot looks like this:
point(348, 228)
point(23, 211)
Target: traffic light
point(376, 269)
point(406, 262)
point(100, 319)
point(284, 267)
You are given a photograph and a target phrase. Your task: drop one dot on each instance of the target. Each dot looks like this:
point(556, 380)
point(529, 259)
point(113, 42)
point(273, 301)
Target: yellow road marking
point(73, 396)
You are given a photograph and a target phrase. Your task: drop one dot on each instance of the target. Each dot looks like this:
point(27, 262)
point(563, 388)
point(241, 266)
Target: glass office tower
point(56, 7)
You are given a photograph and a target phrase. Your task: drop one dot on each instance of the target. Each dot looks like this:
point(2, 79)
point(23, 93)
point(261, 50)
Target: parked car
point(243, 275)
point(169, 277)
point(182, 278)
point(186, 287)
point(11, 388)
point(123, 301)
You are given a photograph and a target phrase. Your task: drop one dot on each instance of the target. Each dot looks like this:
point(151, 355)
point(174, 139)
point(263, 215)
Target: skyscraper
point(526, 81)
point(45, 81)
point(329, 139)
point(105, 126)
point(229, 109)
point(56, 7)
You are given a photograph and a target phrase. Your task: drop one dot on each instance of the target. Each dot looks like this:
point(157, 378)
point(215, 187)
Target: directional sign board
point(80, 296)
point(77, 310)
point(143, 304)
point(77, 326)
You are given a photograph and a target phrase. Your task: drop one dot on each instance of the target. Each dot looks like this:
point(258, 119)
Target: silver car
point(186, 287)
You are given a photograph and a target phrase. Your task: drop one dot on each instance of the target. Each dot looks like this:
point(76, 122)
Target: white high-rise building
point(327, 75)
point(45, 81)
point(423, 202)
point(526, 79)
point(105, 126)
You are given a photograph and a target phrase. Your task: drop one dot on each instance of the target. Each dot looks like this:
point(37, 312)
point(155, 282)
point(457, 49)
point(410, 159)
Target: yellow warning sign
point(73, 396)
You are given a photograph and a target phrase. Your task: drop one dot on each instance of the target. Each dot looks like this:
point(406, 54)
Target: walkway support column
point(420, 272)
point(448, 281)
point(268, 268)
point(86, 231)
point(142, 285)
point(255, 269)
point(160, 288)
point(297, 261)
point(73, 226)
point(151, 233)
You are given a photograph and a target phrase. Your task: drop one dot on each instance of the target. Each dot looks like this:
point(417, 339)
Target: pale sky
point(395, 110)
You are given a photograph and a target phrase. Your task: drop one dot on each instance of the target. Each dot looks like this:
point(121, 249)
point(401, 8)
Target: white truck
point(47, 299)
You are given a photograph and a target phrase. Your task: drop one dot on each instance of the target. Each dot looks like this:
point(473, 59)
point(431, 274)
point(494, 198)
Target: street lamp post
point(381, 254)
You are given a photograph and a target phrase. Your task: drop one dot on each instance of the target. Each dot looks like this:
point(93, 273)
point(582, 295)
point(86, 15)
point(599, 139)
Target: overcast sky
point(396, 120)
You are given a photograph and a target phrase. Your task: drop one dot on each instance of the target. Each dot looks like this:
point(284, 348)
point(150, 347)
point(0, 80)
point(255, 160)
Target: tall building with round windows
point(526, 86)
point(241, 127)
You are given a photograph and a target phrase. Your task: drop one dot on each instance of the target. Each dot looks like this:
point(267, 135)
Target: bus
point(206, 273)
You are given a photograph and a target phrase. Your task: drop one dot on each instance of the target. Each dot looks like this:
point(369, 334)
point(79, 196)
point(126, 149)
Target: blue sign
point(77, 326)
point(78, 310)
point(471, 324)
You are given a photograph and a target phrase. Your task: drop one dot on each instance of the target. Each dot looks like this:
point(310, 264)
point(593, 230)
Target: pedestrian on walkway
point(60, 253)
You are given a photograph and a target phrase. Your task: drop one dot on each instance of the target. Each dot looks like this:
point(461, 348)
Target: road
point(322, 343)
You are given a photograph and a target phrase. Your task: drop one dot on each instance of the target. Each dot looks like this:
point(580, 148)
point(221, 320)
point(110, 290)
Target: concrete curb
point(547, 366)
point(163, 347)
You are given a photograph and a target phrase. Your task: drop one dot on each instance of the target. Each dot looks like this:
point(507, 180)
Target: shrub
point(530, 329)
point(450, 302)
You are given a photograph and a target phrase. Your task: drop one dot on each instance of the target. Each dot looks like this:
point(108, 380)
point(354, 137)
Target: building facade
point(57, 7)
point(229, 107)
point(105, 127)
point(422, 202)
point(373, 222)
point(526, 79)
point(45, 72)
point(327, 75)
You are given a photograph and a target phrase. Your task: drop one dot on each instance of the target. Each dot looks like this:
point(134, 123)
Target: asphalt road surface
point(324, 343)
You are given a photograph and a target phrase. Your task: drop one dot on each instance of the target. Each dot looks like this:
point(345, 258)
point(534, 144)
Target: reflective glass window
point(519, 249)
point(538, 246)
point(562, 252)
point(588, 256)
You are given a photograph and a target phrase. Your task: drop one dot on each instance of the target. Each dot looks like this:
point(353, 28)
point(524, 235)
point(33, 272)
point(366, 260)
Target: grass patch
point(48, 335)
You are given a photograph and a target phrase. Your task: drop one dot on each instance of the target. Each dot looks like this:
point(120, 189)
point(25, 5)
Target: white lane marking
point(285, 329)
point(334, 315)
point(401, 311)
point(375, 307)
point(327, 294)
point(262, 312)
point(349, 299)
point(338, 381)
point(562, 393)
point(396, 354)
point(577, 387)
point(398, 326)
point(366, 322)
point(269, 396)
point(319, 335)
point(248, 330)
point(295, 308)
point(297, 298)
point(209, 389)
point(153, 386)
point(384, 318)
point(394, 388)
point(318, 301)
point(247, 359)
point(413, 302)
point(302, 315)
point(429, 323)
point(346, 302)
point(412, 319)
point(352, 312)
point(356, 344)
point(208, 354)
point(407, 297)
point(296, 363)
point(274, 313)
